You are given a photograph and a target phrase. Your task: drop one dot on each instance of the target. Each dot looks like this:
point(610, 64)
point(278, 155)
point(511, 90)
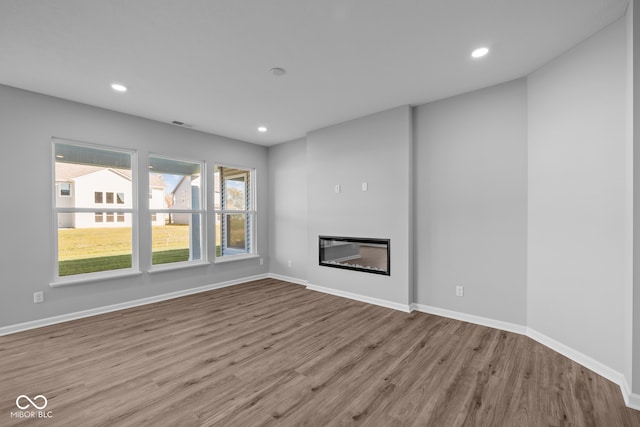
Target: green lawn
point(89, 250)
point(92, 265)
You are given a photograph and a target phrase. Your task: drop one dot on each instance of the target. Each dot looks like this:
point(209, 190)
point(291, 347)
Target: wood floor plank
point(271, 353)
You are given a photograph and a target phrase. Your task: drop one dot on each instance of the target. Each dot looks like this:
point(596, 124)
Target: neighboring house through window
point(177, 216)
point(93, 238)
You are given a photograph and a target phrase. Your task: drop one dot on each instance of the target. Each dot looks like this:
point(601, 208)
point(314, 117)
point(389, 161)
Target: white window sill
point(232, 258)
point(176, 266)
point(97, 277)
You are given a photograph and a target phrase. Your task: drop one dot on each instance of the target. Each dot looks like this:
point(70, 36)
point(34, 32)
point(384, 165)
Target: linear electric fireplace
point(355, 253)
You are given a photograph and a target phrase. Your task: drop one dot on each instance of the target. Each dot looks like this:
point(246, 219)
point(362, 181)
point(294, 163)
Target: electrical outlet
point(289, 263)
point(365, 186)
point(261, 261)
point(337, 188)
point(38, 297)
point(459, 291)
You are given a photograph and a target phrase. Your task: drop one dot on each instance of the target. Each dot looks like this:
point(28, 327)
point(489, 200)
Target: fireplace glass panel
point(353, 253)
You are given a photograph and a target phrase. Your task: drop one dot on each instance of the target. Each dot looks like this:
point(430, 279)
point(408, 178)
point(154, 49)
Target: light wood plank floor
point(273, 353)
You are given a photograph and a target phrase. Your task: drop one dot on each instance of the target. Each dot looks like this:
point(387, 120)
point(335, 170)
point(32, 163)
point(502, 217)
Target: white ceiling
point(206, 62)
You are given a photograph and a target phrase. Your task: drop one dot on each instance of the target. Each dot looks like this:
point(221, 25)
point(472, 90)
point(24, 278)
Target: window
point(234, 211)
point(177, 210)
point(121, 198)
point(94, 239)
point(65, 189)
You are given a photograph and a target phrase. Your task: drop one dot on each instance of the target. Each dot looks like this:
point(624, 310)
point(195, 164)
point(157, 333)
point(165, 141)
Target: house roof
point(71, 171)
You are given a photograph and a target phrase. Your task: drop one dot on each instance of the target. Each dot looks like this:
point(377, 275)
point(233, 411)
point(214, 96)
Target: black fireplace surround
point(355, 253)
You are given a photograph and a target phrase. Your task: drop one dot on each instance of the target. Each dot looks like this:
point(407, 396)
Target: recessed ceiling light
point(277, 71)
point(118, 87)
point(262, 129)
point(480, 52)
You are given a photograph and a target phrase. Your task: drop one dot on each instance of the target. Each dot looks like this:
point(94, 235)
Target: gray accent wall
point(375, 149)
point(288, 244)
point(578, 198)
point(521, 192)
point(28, 121)
point(471, 202)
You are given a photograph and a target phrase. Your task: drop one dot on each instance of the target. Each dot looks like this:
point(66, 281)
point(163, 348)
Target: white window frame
point(251, 211)
point(202, 211)
point(133, 211)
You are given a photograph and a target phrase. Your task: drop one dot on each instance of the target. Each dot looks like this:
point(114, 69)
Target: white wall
point(375, 149)
point(288, 209)
point(633, 47)
point(577, 190)
point(103, 181)
point(28, 121)
point(470, 202)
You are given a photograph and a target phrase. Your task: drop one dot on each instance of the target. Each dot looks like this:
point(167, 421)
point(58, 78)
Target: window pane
point(231, 188)
point(65, 189)
point(233, 234)
point(92, 156)
point(87, 178)
point(235, 231)
point(176, 242)
point(87, 247)
point(233, 193)
point(92, 174)
point(174, 184)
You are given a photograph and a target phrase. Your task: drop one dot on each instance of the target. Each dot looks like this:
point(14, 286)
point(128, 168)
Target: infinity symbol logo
point(31, 402)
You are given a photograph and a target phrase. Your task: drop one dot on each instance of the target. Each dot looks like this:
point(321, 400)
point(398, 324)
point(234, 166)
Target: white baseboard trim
point(6, 330)
point(586, 361)
point(288, 279)
point(362, 298)
point(633, 401)
point(478, 320)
